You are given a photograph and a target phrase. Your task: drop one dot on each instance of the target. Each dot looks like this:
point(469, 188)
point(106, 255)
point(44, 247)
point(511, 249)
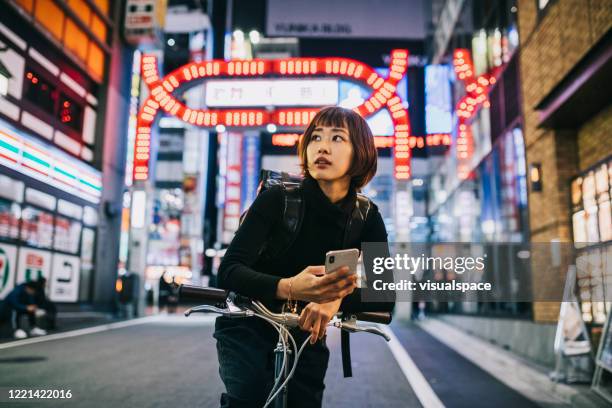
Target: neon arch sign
point(161, 99)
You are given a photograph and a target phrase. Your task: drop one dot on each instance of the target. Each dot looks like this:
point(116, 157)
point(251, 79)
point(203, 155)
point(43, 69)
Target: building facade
point(62, 64)
point(565, 53)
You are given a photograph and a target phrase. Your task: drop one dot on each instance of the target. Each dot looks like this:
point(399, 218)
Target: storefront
point(50, 148)
point(48, 217)
point(591, 215)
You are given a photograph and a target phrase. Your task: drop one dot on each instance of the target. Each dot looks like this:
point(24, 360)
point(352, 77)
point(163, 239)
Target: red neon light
point(476, 96)
point(162, 88)
point(438, 139)
point(291, 139)
point(382, 142)
point(402, 151)
point(285, 139)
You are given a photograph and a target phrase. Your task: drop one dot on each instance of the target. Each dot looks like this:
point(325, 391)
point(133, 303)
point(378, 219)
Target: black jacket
point(244, 271)
point(19, 299)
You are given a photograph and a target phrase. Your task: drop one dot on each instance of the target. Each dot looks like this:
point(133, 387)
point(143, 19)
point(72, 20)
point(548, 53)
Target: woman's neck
point(335, 190)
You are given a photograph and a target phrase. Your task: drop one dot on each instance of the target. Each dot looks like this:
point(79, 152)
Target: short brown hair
point(363, 166)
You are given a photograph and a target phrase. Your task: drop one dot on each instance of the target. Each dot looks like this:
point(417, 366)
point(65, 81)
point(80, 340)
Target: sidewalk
point(525, 378)
point(67, 321)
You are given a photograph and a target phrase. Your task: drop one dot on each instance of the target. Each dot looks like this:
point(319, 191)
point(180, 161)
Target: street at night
point(305, 203)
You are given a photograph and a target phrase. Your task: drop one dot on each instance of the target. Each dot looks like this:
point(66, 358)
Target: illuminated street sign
point(162, 89)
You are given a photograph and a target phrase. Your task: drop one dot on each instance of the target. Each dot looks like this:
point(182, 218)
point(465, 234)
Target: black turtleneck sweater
point(322, 230)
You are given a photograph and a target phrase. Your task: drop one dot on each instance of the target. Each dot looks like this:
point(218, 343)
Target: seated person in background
point(21, 300)
point(45, 307)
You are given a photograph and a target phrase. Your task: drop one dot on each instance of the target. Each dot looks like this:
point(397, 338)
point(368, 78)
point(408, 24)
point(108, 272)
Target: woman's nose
point(324, 147)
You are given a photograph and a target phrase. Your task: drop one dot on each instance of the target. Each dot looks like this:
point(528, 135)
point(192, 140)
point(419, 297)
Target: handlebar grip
point(203, 295)
point(374, 317)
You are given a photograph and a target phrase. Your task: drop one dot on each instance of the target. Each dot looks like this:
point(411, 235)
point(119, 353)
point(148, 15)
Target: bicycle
point(232, 305)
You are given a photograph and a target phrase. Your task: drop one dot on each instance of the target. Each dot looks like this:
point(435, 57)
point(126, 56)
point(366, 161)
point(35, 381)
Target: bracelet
point(290, 287)
point(291, 304)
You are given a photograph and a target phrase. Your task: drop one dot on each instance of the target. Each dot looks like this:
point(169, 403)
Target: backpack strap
point(285, 234)
point(293, 212)
point(352, 233)
point(355, 224)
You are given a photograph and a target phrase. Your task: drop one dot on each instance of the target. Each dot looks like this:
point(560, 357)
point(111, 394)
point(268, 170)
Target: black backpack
point(293, 214)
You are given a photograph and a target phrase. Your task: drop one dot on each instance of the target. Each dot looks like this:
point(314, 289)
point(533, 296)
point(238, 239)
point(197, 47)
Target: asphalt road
point(172, 363)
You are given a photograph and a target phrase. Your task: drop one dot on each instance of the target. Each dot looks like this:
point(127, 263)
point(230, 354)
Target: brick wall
point(595, 139)
point(550, 46)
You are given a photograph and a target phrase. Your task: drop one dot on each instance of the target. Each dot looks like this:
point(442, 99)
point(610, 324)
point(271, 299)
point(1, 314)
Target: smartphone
point(343, 257)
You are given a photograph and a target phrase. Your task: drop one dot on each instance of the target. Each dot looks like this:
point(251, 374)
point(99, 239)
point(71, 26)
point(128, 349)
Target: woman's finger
point(335, 276)
point(323, 327)
point(304, 319)
point(314, 333)
point(338, 288)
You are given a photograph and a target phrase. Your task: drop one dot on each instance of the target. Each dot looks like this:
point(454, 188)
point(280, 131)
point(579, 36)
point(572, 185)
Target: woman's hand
point(315, 316)
point(313, 285)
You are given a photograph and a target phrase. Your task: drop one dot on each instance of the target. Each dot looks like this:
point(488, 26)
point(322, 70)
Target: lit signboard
point(49, 165)
point(383, 96)
point(277, 92)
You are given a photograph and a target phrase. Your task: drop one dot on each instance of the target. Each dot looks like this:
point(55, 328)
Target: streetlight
point(238, 35)
point(254, 36)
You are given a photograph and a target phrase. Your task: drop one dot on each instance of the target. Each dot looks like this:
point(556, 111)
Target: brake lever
point(352, 327)
point(214, 309)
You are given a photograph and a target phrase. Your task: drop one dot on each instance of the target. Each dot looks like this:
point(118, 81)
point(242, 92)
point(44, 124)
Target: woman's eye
point(337, 138)
point(316, 137)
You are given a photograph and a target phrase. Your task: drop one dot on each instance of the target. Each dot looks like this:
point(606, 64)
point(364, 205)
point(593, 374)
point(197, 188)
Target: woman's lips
point(322, 162)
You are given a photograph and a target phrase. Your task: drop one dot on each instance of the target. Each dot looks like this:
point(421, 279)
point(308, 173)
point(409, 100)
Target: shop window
point(95, 61)
point(10, 213)
point(70, 113)
point(81, 9)
point(28, 5)
point(51, 17)
point(98, 28)
point(75, 40)
point(37, 227)
point(46, 97)
point(591, 206)
point(40, 92)
point(67, 235)
point(591, 215)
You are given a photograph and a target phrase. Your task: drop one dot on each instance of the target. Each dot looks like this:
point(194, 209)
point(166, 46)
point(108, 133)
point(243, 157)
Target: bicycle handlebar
point(374, 317)
point(202, 295)
point(214, 297)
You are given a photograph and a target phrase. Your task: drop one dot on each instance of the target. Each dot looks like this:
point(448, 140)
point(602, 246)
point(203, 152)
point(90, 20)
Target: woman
point(338, 157)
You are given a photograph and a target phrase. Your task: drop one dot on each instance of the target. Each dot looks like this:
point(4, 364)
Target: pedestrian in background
point(19, 302)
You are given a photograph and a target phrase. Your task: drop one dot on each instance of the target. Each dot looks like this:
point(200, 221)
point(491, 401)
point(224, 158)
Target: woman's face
point(329, 153)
